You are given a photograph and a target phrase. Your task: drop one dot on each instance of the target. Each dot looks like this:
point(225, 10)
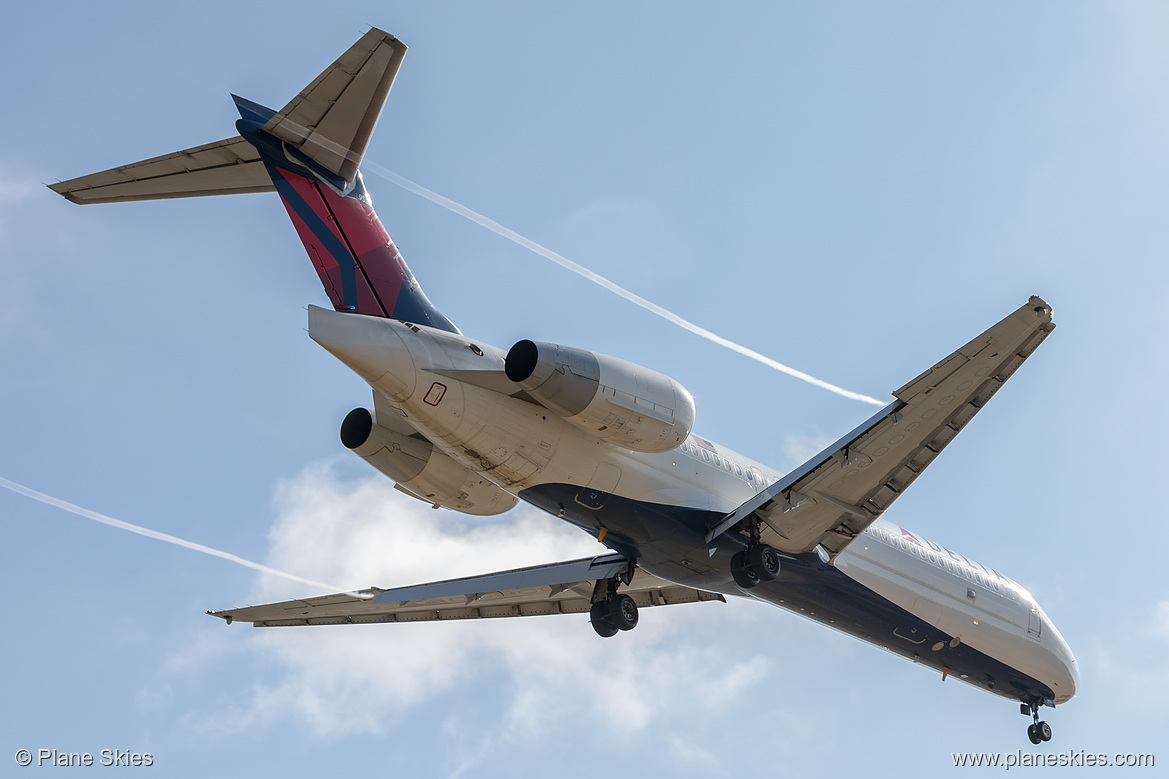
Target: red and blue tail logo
point(361, 269)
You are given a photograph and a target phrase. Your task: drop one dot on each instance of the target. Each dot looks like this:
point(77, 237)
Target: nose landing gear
point(1038, 731)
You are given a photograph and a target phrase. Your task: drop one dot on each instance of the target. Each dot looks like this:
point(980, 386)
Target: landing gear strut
point(1038, 731)
point(612, 611)
point(758, 562)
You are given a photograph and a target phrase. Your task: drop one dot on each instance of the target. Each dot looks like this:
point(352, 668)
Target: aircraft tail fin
point(309, 153)
point(324, 129)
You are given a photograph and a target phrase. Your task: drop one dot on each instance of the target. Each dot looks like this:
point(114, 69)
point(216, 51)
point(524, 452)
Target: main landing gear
point(612, 611)
point(1038, 731)
point(757, 563)
point(613, 615)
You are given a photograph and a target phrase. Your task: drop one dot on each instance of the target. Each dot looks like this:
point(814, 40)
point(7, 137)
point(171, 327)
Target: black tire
point(1033, 734)
point(764, 562)
point(741, 572)
point(599, 617)
point(1044, 731)
point(623, 612)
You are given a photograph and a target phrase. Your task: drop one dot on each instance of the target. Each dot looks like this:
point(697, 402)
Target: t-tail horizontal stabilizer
point(325, 129)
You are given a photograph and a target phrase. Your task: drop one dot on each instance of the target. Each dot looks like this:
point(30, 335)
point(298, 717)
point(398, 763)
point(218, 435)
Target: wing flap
point(558, 588)
point(833, 497)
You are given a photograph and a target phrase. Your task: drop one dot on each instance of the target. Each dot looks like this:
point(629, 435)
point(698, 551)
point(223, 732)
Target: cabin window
point(738, 470)
point(716, 460)
point(705, 456)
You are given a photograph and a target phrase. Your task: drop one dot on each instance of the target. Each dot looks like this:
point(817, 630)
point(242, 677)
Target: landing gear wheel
point(599, 617)
point(1038, 731)
point(764, 561)
point(623, 612)
point(741, 571)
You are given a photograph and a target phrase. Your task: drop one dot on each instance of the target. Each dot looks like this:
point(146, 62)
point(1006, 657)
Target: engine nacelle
point(616, 400)
point(421, 470)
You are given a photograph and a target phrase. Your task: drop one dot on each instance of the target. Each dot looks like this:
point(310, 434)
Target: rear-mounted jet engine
point(624, 403)
point(420, 470)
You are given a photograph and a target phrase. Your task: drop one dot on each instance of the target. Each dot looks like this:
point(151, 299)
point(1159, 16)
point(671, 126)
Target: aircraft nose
point(1066, 673)
point(370, 346)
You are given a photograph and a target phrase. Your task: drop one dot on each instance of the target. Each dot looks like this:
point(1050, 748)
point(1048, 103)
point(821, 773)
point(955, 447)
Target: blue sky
point(852, 189)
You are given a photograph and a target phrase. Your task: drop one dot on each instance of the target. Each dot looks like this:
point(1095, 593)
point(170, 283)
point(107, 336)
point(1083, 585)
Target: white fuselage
point(922, 600)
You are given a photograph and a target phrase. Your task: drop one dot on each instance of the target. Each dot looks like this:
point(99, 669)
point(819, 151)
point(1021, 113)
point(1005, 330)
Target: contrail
point(142, 531)
point(576, 268)
point(613, 287)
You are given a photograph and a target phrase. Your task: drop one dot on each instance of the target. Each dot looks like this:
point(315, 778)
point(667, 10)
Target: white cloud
point(550, 671)
point(16, 189)
point(1128, 670)
point(798, 449)
point(1161, 620)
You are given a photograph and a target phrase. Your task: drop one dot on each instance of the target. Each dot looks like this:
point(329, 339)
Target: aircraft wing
point(833, 497)
point(557, 588)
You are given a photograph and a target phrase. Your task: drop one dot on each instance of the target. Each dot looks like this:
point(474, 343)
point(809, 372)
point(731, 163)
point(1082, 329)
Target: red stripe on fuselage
point(378, 265)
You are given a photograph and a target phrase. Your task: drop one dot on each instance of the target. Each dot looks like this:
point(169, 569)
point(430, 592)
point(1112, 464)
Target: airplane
point(607, 445)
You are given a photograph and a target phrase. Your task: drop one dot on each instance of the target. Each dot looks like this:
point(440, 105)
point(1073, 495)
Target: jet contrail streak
point(96, 517)
point(613, 287)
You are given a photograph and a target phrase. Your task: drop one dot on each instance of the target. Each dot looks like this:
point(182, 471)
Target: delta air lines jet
point(607, 445)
